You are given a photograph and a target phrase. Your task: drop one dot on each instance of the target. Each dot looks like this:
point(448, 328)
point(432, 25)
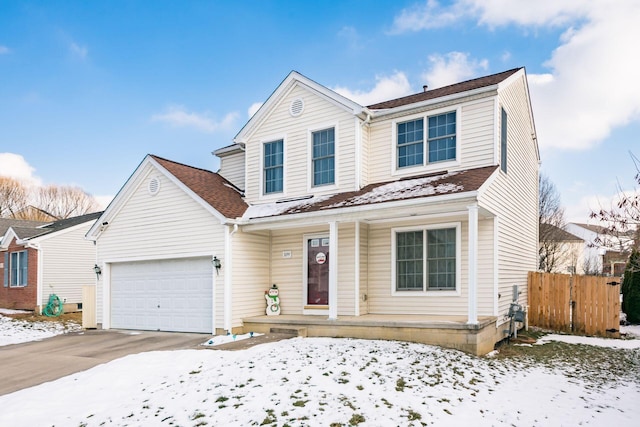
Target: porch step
point(299, 331)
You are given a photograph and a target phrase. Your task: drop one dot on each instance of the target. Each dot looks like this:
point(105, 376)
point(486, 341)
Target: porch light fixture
point(216, 263)
point(97, 270)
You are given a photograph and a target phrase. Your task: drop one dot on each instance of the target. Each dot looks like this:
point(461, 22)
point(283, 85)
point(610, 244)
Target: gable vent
point(154, 186)
point(296, 107)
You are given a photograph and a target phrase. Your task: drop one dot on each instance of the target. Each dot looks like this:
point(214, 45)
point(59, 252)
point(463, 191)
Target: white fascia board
point(352, 213)
point(119, 200)
point(507, 82)
point(9, 235)
point(434, 101)
point(292, 80)
point(233, 148)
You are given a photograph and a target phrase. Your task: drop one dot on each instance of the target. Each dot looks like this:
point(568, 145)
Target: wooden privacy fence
point(588, 305)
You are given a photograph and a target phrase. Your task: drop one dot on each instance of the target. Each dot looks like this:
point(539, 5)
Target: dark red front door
point(318, 271)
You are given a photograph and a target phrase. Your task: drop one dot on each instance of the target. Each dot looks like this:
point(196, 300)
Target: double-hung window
point(18, 269)
point(273, 167)
point(426, 259)
point(323, 157)
point(438, 140)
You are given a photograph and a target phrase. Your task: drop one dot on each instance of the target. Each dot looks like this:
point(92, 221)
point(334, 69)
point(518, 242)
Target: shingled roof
point(425, 186)
point(211, 187)
point(445, 91)
point(23, 228)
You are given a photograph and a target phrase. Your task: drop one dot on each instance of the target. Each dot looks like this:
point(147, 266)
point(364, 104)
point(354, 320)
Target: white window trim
point(424, 291)
point(19, 285)
point(319, 189)
point(425, 167)
point(280, 195)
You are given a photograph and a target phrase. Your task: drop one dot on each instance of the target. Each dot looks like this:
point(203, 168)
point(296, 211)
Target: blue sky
point(87, 89)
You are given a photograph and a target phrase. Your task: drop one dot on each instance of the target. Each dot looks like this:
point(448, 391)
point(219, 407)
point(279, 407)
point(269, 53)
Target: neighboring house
point(34, 214)
point(602, 255)
point(41, 258)
point(408, 219)
point(561, 251)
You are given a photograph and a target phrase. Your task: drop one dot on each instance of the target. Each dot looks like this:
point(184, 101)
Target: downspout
point(40, 270)
point(228, 298)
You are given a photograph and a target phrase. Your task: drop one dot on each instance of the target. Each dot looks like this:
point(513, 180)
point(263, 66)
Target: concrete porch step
point(298, 331)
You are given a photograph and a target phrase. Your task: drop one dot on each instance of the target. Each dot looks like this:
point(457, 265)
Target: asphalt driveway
point(32, 363)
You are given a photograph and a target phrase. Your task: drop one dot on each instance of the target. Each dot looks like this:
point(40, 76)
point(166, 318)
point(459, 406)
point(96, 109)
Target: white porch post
point(473, 264)
point(333, 270)
point(356, 275)
point(227, 279)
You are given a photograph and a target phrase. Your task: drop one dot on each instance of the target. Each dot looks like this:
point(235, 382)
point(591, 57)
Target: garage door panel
point(166, 295)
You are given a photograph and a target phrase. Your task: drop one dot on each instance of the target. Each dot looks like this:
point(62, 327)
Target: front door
point(318, 271)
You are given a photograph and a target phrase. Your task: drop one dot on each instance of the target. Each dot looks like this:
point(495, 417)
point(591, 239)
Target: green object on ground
point(54, 307)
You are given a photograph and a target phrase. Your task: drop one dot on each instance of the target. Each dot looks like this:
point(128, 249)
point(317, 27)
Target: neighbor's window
point(503, 142)
point(273, 167)
point(440, 140)
point(18, 268)
point(426, 260)
point(323, 159)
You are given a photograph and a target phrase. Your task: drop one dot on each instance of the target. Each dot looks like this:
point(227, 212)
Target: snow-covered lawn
point(333, 382)
point(13, 331)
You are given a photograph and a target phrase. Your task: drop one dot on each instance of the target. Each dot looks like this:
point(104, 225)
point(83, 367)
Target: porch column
point(333, 270)
point(473, 264)
point(226, 271)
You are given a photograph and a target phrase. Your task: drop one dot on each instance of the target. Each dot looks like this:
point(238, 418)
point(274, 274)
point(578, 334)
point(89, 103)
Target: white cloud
point(254, 108)
point(4, 50)
point(78, 51)
point(591, 87)
point(426, 16)
point(452, 68)
point(351, 36)
point(387, 87)
point(178, 116)
point(15, 166)
point(104, 201)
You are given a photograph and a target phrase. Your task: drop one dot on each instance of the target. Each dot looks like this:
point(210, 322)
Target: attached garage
point(163, 295)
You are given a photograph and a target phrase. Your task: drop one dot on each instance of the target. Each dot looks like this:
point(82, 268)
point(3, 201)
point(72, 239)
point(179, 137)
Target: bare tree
point(550, 220)
point(622, 220)
point(65, 202)
point(13, 197)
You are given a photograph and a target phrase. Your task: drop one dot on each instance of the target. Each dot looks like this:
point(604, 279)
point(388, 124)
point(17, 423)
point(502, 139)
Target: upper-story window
point(323, 157)
point(440, 140)
point(273, 167)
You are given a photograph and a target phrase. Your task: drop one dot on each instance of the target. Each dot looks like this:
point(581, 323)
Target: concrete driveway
point(28, 364)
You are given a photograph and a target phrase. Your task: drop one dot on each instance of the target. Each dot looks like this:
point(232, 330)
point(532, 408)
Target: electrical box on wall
point(286, 254)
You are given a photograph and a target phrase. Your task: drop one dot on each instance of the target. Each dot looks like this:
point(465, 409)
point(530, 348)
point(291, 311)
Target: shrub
point(631, 288)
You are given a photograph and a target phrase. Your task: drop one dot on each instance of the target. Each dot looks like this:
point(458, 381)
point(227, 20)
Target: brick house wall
point(23, 297)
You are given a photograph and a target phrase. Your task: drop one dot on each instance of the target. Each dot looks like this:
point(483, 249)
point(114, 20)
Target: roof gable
point(295, 79)
point(209, 186)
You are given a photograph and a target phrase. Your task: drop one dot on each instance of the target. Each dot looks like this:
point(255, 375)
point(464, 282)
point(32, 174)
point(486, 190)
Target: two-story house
point(408, 219)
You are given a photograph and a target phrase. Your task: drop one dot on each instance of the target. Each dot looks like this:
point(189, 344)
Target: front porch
point(445, 331)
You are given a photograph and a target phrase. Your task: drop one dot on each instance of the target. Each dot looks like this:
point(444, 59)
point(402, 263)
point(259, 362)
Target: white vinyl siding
point(382, 300)
point(475, 140)
point(232, 169)
point(288, 273)
point(318, 114)
point(514, 198)
point(170, 224)
point(67, 260)
point(250, 278)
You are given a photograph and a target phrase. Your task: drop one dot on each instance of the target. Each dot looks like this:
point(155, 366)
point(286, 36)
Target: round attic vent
point(296, 107)
point(154, 186)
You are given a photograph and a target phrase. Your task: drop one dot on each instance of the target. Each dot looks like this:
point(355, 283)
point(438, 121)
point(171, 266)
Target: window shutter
point(6, 269)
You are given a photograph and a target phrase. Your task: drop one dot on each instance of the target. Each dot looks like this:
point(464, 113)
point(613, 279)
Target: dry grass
point(64, 318)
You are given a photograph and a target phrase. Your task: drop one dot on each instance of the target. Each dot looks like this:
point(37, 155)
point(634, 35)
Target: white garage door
point(163, 295)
